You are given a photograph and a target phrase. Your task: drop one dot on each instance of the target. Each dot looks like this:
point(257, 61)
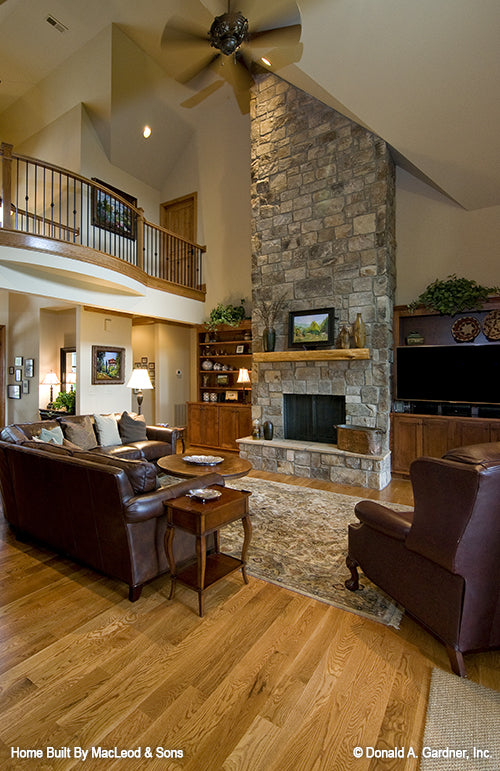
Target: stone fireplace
point(312, 417)
point(322, 235)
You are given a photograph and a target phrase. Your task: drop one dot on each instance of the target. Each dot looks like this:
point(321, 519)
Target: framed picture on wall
point(26, 386)
point(108, 365)
point(29, 367)
point(18, 375)
point(18, 361)
point(14, 391)
point(110, 213)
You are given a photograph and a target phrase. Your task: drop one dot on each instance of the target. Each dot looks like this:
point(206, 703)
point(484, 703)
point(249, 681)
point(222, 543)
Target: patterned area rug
point(299, 541)
point(461, 728)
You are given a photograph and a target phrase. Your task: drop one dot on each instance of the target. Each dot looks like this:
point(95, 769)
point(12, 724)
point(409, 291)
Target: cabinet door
point(406, 442)
point(495, 431)
point(437, 437)
point(203, 427)
point(234, 423)
point(471, 432)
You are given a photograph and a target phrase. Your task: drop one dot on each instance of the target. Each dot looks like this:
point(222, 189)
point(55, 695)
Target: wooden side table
point(201, 519)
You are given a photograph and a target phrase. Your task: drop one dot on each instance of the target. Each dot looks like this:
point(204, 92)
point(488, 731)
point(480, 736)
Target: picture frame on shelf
point(240, 348)
point(13, 391)
point(222, 380)
point(231, 396)
point(108, 365)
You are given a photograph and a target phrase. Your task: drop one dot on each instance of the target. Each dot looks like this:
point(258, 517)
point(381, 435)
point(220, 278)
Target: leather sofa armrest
point(162, 434)
point(150, 505)
point(395, 524)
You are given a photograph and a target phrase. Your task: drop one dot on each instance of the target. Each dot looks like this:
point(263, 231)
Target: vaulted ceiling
point(423, 75)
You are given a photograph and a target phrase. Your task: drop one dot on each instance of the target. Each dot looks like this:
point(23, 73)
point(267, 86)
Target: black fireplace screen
point(313, 417)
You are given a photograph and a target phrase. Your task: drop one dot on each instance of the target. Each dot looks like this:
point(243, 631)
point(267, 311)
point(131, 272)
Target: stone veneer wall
point(323, 224)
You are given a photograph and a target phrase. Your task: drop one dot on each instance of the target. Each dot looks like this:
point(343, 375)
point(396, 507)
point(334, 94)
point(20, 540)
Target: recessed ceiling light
point(266, 61)
point(146, 132)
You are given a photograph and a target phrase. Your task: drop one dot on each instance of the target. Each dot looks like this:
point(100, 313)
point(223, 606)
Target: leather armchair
point(441, 560)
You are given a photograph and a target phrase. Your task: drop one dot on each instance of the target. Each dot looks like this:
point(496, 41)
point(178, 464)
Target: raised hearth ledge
point(315, 460)
point(341, 354)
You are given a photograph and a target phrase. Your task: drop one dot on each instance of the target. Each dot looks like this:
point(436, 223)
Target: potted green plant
point(225, 314)
point(65, 401)
point(453, 295)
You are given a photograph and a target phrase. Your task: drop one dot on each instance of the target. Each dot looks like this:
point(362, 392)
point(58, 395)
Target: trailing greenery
point(226, 314)
point(65, 401)
point(453, 295)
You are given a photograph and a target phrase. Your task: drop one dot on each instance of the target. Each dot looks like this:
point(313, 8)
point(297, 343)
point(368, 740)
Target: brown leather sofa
point(81, 430)
point(441, 560)
point(105, 512)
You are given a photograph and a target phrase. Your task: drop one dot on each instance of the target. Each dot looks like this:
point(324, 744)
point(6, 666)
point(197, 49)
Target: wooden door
point(179, 216)
point(203, 426)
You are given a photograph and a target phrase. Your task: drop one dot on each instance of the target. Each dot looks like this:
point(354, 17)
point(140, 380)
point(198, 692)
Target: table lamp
point(51, 380)
point(244, 377)
point(139, 380)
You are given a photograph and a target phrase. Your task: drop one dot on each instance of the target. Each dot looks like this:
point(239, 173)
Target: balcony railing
point(45, 200)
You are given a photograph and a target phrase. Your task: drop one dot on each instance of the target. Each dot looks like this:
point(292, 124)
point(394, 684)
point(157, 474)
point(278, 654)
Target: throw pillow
point(54, 435)
point(107, 430)
point(132, 428)
point(80, 432)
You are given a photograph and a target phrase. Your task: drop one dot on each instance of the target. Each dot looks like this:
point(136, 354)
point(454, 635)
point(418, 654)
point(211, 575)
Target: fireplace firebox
point(312, 417)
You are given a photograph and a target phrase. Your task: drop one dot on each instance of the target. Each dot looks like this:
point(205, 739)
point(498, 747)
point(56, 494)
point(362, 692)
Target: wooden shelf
point(336, 354)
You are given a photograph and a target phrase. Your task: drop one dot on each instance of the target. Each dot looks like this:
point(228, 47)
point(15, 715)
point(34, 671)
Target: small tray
point(203, 460)
point(204, 494)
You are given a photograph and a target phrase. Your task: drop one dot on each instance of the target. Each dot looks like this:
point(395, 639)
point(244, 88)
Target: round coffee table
point(231, 467)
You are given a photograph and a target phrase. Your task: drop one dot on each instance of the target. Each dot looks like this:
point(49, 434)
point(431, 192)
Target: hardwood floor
point(268, 680)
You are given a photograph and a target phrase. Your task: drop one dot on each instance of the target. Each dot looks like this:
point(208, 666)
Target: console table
point(200, 519)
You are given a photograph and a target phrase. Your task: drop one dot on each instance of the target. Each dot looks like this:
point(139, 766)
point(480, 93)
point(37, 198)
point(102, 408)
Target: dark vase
point(269, 339)
point(268, 429)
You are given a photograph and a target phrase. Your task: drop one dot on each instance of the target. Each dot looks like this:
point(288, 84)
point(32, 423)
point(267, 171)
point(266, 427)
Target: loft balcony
point(54, 211)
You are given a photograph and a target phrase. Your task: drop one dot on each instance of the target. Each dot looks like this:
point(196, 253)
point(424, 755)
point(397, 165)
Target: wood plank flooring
point(268, 680)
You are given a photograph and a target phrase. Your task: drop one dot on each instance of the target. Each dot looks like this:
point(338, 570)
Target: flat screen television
point(311, 328)
point(449, 373)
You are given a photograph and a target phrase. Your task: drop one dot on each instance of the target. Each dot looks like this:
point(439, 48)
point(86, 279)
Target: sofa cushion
point(80, 432)
point(54, 435)
point(140, 473)
point(38, 444)
point(107, 430)
point(12, 434)
point(126, 451)
point(132, 428)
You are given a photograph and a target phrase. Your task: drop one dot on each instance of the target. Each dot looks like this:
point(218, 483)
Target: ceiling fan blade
point(203, 94)
point(279, 36)
point(281, 57)
point(179, 31)
point(239, 78)
point(264, 14)
point(192, 71)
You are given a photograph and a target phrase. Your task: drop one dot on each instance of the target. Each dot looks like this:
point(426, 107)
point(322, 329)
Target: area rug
point(462, 726)
point(299, 541)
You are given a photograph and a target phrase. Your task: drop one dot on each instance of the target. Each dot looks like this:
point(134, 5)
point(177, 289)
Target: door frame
point(190, 196)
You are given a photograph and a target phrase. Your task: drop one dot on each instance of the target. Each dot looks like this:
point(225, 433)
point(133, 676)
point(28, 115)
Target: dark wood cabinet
point(413, 431)
point(218, 425)
point(416, 435)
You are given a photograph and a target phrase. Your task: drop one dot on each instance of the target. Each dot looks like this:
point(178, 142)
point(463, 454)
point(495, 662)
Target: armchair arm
point(150, 505)
point(395, 524)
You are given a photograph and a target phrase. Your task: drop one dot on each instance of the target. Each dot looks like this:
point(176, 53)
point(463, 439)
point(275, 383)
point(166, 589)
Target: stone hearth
point(322, 234)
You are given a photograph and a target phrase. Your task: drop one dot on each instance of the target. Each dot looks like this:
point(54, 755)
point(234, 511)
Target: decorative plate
point(203, 460)
point(466, 329)
point(204, 494)
point(491, 325)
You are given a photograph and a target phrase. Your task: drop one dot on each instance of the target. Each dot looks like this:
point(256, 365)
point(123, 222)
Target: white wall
point(94, 329)
point(436, 238)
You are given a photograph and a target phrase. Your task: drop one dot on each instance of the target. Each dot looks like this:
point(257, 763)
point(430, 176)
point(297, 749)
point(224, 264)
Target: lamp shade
point(139, 379)
point(50, 379)
point(243, 376)
point(71, 378)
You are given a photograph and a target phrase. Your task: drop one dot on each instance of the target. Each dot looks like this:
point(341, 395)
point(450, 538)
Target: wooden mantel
point(337, 354)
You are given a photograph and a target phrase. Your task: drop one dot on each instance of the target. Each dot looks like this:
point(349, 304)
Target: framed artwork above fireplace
point(314, 328)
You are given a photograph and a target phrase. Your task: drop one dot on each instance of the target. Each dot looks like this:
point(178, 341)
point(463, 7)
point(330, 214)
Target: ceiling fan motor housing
point(228, 32)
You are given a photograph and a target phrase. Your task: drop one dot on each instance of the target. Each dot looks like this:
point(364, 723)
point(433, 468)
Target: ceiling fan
point(231, 46)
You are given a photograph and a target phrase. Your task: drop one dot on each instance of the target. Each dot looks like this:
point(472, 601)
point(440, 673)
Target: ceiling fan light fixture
point(265, 61)
point(146, 132)
point(228, 32)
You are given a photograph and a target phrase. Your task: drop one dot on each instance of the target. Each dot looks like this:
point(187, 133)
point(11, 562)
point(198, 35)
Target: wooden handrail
point(74, 197)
